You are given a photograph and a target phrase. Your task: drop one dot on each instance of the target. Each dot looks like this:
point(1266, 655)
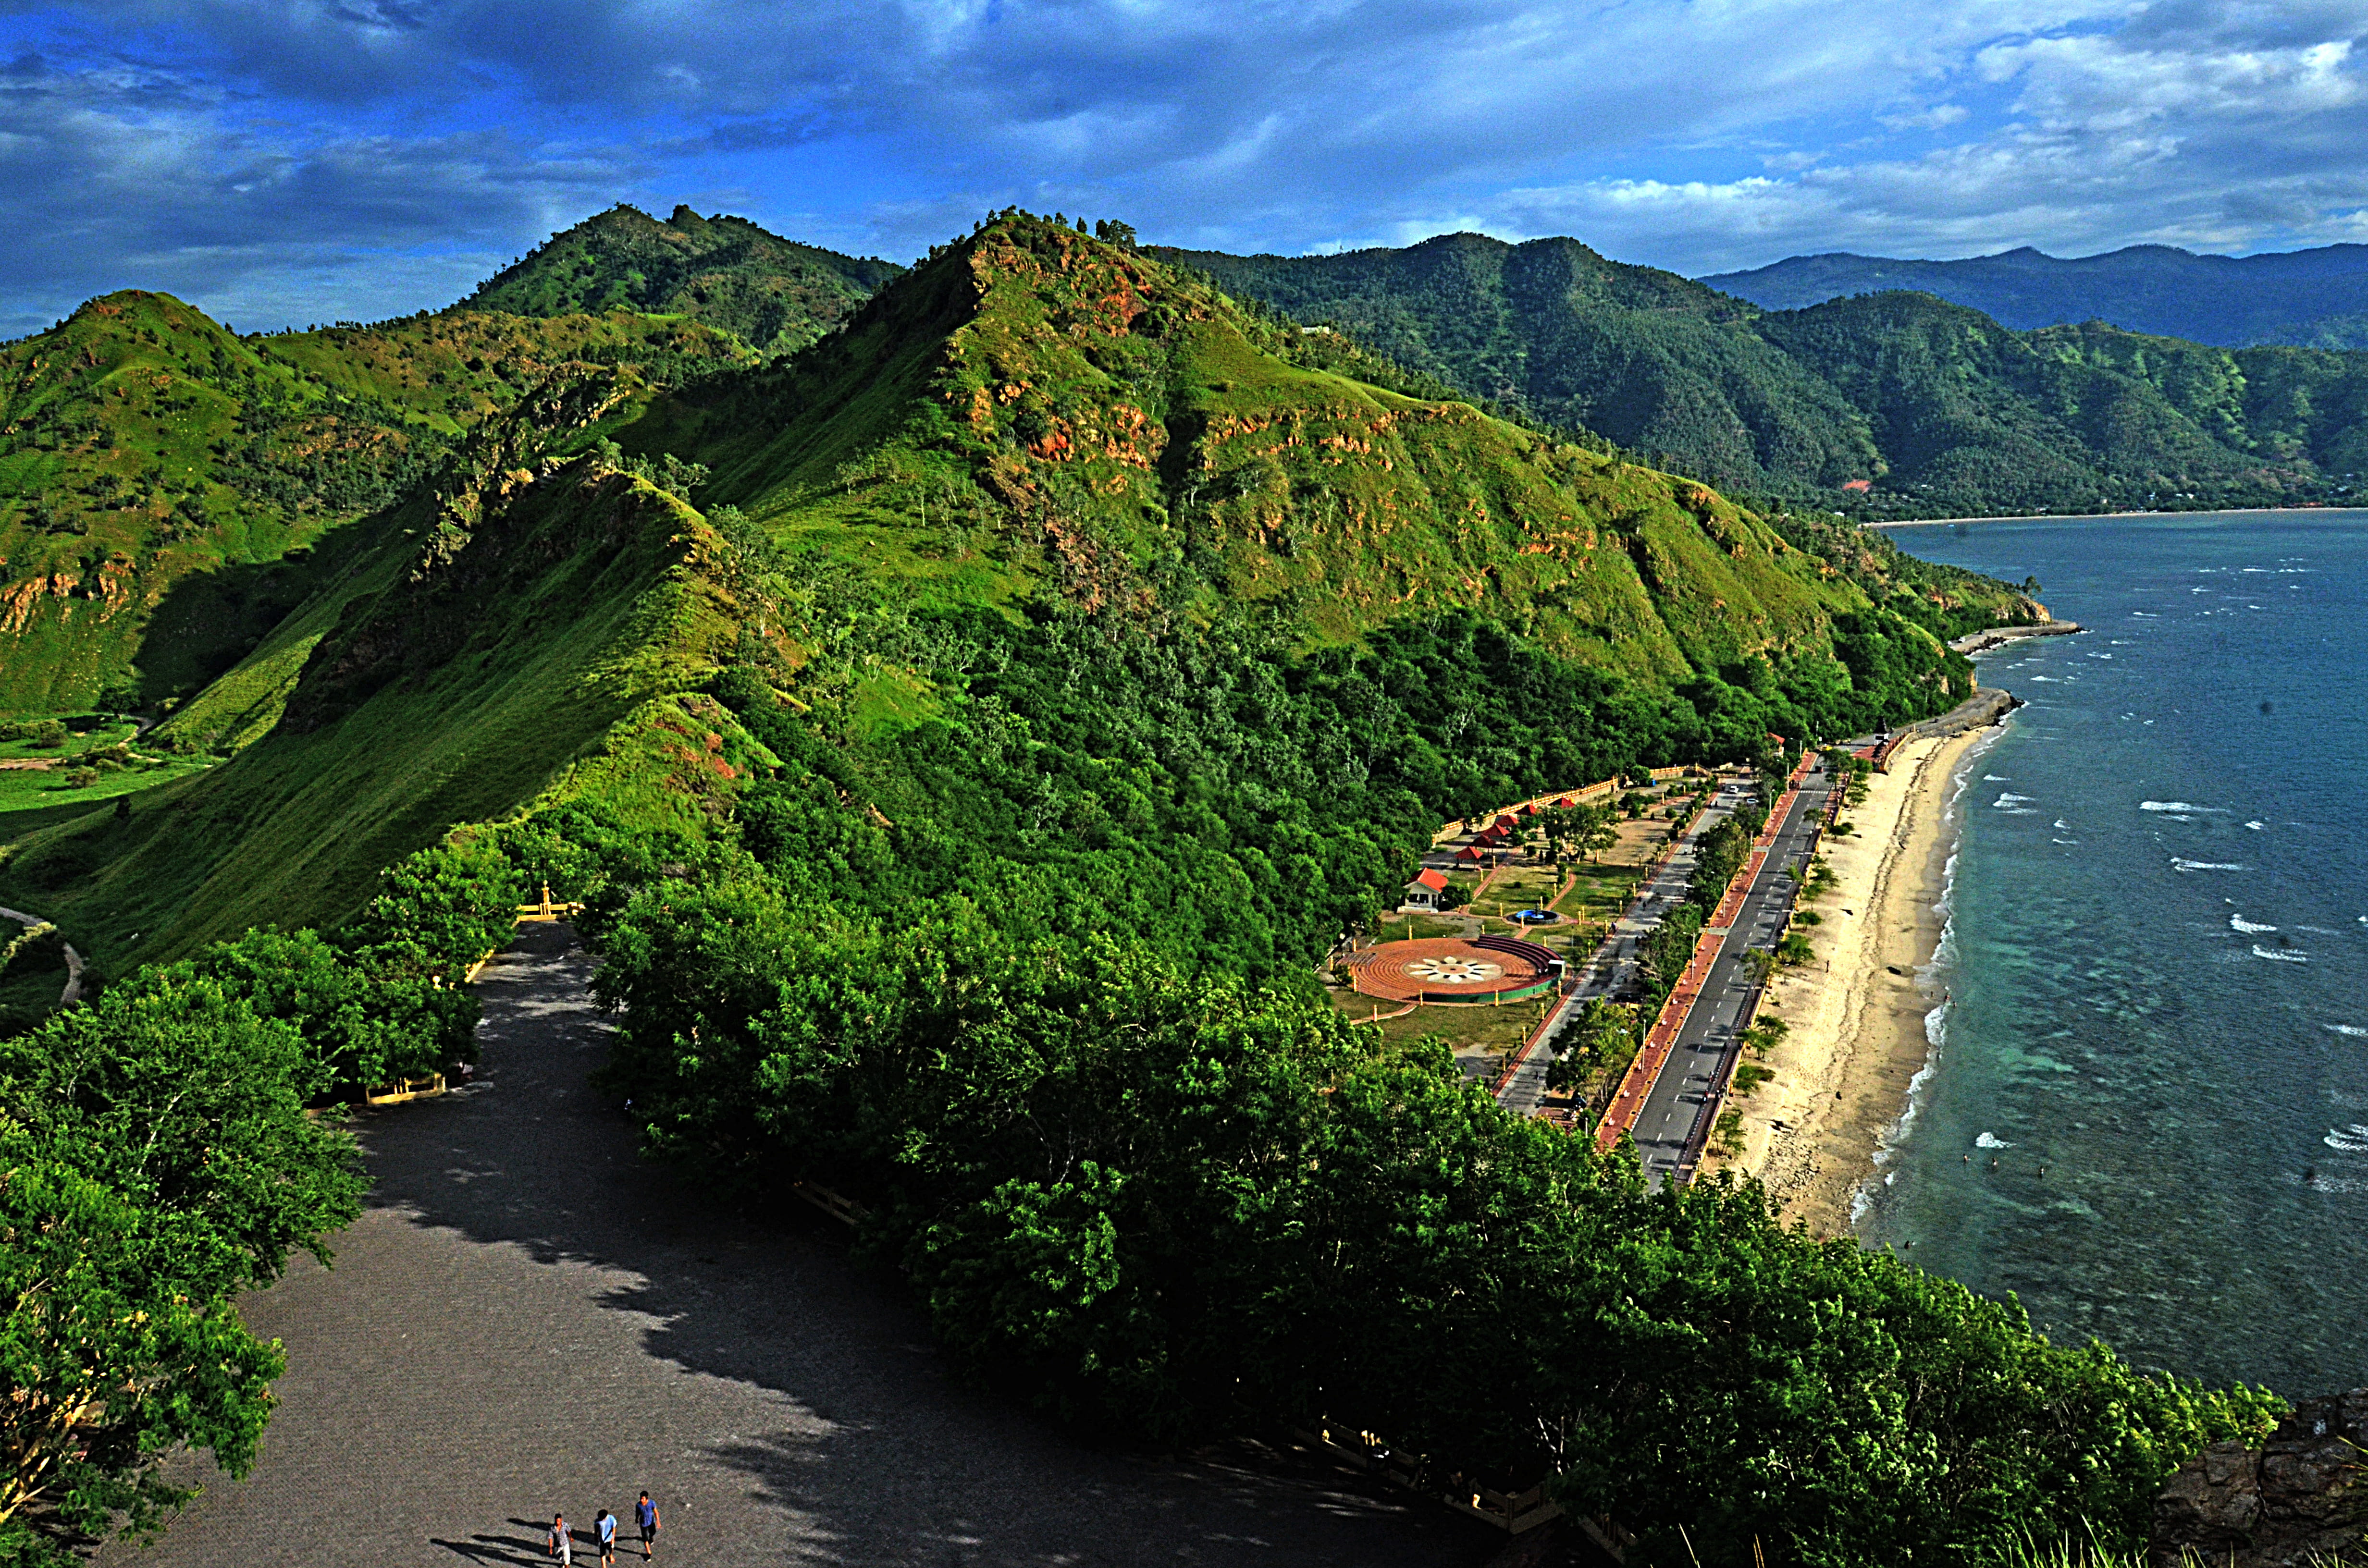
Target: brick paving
point(530, 1319)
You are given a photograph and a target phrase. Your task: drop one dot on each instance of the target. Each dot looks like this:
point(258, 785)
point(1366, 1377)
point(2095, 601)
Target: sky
point(285, 162)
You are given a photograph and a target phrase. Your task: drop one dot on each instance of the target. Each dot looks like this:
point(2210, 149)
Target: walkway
point(72, 992)
point(529, 1318)
point(1668, 1125)
point(1612, 969)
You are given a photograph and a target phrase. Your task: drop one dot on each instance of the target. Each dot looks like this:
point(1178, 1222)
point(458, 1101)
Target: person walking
point(561, 1544)
point(604, 1530)
point(645, 1514)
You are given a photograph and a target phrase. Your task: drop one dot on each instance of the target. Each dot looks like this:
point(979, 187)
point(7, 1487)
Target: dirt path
point(530, 1319)
point(72, 993)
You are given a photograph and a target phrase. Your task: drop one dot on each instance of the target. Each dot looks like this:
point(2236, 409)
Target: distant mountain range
point(2312, 299)
point(1885, 406)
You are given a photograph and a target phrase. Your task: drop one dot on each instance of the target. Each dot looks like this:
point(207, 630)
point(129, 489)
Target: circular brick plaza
point(1451, 970)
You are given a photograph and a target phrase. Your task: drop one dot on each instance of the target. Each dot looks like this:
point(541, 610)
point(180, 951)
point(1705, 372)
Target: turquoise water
point(2157, 954)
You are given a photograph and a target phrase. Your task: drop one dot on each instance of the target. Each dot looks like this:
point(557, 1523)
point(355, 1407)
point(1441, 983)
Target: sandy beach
point(1857, 1011)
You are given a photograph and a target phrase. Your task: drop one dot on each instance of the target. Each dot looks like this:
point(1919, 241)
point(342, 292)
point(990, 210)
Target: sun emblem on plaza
point(1454, 972)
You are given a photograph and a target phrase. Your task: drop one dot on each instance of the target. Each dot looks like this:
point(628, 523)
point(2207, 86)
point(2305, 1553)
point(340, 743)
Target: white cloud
point(1699, 134)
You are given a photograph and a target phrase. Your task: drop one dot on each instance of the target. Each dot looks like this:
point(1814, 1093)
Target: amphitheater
point(1454, 970)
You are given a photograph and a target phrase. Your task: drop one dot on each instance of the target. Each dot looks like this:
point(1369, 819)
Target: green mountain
point(1035, 429)
point(2310, 299)
point(169, 491)
point(773, 294)
point(1894, 404)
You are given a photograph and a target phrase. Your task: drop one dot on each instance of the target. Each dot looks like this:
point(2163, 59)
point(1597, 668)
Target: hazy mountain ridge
point(2308, 299)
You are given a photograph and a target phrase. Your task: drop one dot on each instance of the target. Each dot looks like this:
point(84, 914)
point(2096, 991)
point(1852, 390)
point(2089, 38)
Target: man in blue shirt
point(605, 1528)
point(645, 1514)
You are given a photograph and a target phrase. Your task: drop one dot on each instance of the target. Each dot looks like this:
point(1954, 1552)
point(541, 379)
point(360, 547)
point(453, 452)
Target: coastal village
point(1525, 945)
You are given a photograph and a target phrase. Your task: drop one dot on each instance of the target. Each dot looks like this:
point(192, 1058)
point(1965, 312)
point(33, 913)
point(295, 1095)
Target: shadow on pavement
point(532, 1320)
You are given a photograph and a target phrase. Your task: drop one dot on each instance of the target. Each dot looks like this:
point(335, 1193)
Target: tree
point(156, 1159)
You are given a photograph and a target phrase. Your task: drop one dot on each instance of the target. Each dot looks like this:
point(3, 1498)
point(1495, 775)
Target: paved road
point(1666, 1121)
point(530, 1319)
point(1612, 970)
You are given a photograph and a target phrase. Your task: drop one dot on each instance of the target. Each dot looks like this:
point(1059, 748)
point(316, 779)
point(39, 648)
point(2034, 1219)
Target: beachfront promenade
point(530, 1319)
point(1669, 1123)
point(1612, 969)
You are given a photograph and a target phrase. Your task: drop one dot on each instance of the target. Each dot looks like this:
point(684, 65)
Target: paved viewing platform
point(530, 1319)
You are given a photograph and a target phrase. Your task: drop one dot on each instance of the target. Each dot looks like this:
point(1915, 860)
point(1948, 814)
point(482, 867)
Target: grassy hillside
point(774, 294)
point(540, 628)
point(170, 492)
point(1038, 413)
point(2312, 299)
point(1034, 425)
point(1892, 405)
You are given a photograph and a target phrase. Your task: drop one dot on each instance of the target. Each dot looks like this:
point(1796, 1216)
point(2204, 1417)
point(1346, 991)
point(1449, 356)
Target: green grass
point(554, 657)
point(169, 491)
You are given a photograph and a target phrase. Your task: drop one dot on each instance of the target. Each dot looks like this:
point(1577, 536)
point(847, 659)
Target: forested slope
point(1888, 405)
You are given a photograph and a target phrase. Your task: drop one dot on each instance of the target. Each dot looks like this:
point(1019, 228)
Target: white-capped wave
point(1996, 779)
point(2257, 826)
point(2352, 1140)
point(2238, 922)
point(2063, 824)
point(1991, 1140)
point(2261, 952)
point(2010, 798)
point(2354, 1030)
point(2063, 841)
point(2176, 806)
point(2145, 615)
point(2316, 930)
point(2179, 865)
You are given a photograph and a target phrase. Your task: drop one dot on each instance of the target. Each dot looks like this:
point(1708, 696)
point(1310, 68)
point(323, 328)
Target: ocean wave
point(1991, 1140)
point(2354, 1030)
point(2063, 825)
point(2238, 922)
point(2352, 1140)
point(2317, 930)
point(2177, 806)
point(2010, 797)
point(2179, 865)
point(2063, 841)
point(2261, 952)
point(1997, 778)
point(2257, 826)
point(2145, 615)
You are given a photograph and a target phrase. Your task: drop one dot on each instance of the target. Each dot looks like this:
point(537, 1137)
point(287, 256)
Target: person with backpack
point(645, 1514)
point(604, 1529)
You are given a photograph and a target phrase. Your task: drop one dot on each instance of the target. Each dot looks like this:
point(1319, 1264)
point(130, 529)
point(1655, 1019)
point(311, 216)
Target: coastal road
point(530, 1319)
point(1612, 969)
point(1698, 1058)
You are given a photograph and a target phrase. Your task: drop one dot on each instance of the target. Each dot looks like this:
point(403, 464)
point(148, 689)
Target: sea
point(2146, 1112)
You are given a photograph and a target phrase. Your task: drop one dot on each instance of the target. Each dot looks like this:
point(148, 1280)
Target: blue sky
point(290, 161)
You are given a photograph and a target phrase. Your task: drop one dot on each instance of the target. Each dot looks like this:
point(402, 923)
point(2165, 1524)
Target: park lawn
point(1516, 887)
point(26, 791)
point(1487, 1030)
point(1416, 928)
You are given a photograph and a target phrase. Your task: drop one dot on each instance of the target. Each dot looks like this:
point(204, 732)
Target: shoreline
point(1859, 1014)
point(2099, 516)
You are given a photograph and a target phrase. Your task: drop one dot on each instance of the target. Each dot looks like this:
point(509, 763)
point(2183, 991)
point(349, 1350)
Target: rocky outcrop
point(2299, 1501)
